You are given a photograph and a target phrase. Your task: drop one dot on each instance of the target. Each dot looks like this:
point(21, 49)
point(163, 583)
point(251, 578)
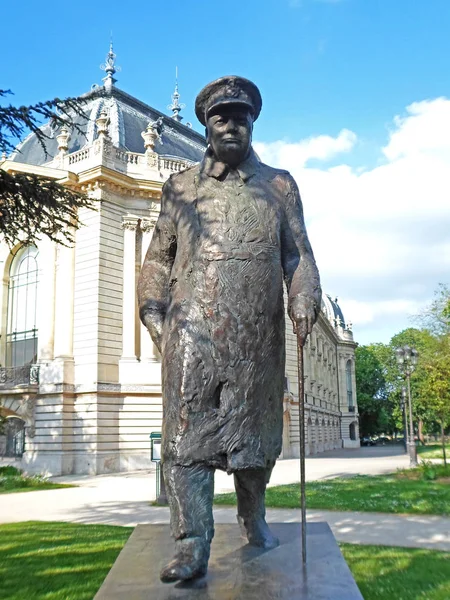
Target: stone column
point(65, 272)
point(148, 349)
point(64, 303)
point(343, 382)
point(46, 300)
point(129, 225)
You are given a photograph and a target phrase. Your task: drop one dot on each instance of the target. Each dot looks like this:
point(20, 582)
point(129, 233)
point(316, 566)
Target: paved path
point(123, 499)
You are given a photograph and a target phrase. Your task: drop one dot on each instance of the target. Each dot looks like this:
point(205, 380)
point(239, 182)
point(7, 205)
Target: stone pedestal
point(236, 571)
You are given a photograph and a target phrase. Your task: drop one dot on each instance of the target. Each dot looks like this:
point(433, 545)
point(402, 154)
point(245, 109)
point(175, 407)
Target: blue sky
point(321, 65)
point(333, 75)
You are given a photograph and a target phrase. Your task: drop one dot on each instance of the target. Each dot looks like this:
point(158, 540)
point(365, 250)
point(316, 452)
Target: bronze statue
point(231, 229)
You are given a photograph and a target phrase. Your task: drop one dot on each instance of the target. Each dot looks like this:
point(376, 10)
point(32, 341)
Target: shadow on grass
point(56, 561)
point(384, 572)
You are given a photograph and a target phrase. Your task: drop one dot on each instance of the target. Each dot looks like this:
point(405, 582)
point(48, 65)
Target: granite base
point(236, 570)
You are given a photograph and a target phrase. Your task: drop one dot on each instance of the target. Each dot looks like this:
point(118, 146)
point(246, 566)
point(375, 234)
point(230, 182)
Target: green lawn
point(433, 451)
point(13, 480)
point(56, 561)
point(67, 561)
point(385, 572)
point(394, 493)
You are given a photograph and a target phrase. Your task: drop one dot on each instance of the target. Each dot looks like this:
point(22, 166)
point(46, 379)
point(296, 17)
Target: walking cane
point(301, 410)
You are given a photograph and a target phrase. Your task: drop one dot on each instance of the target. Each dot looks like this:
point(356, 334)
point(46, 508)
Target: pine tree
point(30, 205)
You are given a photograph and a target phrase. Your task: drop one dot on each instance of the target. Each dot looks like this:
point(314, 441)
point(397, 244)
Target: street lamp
point(407, 361)
point(403, 406)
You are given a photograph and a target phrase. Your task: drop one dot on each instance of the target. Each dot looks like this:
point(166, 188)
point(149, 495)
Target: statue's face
point(229, 133)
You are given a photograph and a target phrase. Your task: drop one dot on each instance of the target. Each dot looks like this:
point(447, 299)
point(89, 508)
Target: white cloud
point(425, 130)
point(367, 312)
point(381, 236)
point(296, 155)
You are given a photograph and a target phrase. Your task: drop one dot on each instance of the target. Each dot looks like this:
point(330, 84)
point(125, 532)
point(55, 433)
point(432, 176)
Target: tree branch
point(32, 206)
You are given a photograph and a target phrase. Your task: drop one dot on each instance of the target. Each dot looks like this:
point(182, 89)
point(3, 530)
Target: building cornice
point(63, 176)
point(104, 175)
point(99, 176)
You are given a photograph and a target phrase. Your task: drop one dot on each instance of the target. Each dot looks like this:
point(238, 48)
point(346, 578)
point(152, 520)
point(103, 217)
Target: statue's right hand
point(302, 311)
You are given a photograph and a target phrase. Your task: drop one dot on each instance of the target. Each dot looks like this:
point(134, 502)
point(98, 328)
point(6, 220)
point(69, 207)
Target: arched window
point(348, 375)
point(21, 333)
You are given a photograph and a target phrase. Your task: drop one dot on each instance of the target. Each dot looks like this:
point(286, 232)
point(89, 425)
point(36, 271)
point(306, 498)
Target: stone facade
point(331, 414)
point(91, 395)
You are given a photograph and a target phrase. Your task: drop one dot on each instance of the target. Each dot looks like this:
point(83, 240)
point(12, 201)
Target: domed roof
point(128, 118)
point(333, 311)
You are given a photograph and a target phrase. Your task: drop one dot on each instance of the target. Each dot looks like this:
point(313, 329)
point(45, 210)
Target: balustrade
point(12, 376)
point(173, 165)
point(79, 156)
point(131, 158)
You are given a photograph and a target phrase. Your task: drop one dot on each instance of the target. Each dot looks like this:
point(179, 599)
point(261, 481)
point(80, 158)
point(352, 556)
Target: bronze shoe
point(258, 533)
point(190, 561)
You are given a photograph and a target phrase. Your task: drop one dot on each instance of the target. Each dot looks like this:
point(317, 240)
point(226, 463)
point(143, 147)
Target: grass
point(402, 573)
point(68, 561)
point(402, 492)
point(56, 561)
point(13, 480)
point(433, 451)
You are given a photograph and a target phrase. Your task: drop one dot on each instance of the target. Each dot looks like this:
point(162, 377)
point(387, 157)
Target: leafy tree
point(436, 316)
point(31, 205)
point(423, 341)
point(373, 405)
point(380, 381)
point(436, 386)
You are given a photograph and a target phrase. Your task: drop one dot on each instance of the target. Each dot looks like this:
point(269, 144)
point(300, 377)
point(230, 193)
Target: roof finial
point(176, 106)
point(110, 67)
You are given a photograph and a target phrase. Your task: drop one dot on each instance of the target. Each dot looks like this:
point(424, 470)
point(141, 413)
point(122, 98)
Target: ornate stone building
point(331, 412)
point(80, 383)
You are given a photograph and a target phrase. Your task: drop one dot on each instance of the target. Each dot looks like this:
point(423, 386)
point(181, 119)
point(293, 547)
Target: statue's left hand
point(303, 313)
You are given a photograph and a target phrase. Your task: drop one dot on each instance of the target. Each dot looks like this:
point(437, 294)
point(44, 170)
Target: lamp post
point(404, 418)
point(407, 360)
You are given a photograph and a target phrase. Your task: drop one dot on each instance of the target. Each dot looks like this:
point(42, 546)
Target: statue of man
point(230, 230)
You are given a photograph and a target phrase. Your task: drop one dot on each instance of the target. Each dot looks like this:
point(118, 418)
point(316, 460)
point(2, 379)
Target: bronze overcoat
point(211, 295)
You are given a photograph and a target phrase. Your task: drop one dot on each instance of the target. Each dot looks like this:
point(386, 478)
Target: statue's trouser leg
point(190, 492)
point(250, 487)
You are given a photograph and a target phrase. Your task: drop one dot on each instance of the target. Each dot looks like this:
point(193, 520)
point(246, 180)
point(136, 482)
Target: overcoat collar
point(215, 168)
